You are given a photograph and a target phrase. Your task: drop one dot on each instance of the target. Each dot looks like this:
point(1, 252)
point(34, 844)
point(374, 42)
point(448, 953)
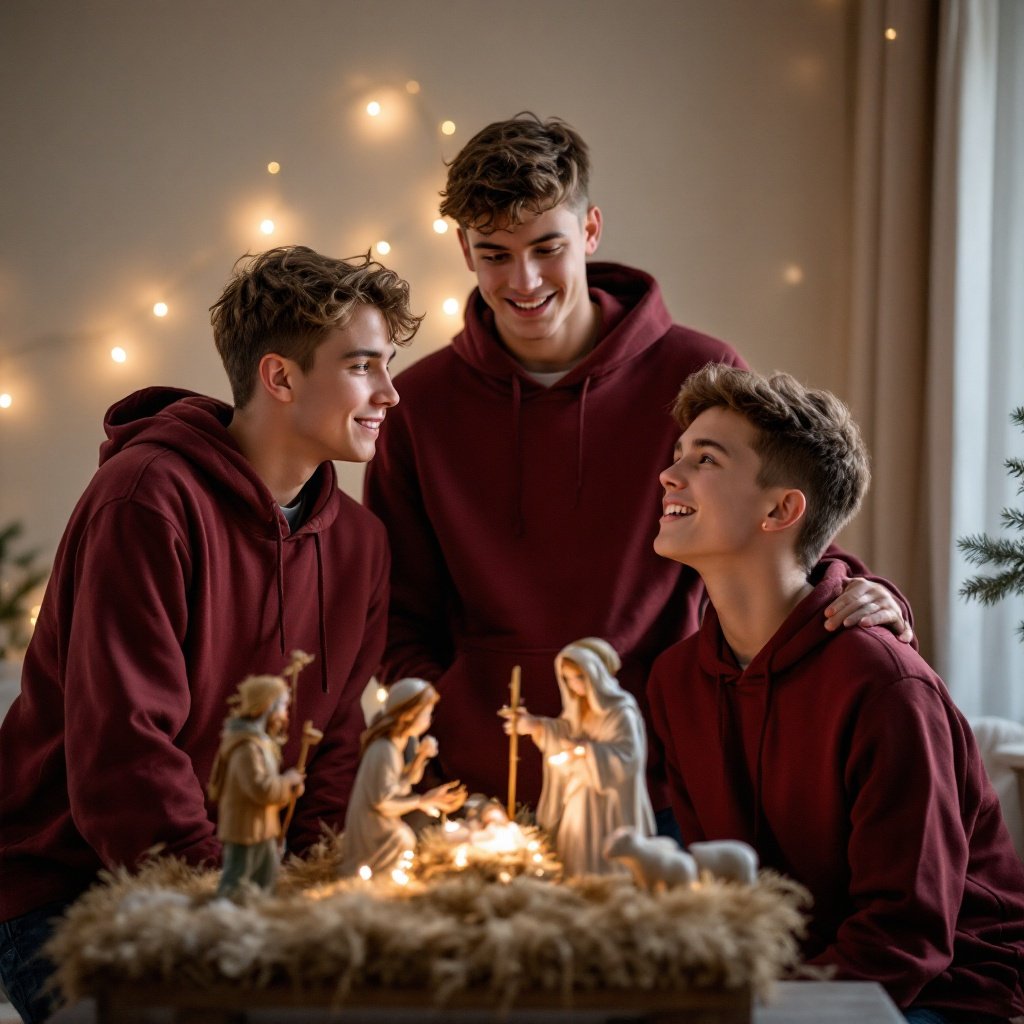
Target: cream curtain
point(976, 330)
point(892, 145)
point(937, 315)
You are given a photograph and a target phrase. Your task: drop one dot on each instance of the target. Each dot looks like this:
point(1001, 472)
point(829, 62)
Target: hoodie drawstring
point(517, 508)
point(280, 591)
point(320, 608)
point(759, 771)
point(324, 675)
point(580, 423)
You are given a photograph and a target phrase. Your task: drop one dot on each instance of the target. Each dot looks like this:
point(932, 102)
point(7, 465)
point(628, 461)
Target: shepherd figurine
point(248, 785)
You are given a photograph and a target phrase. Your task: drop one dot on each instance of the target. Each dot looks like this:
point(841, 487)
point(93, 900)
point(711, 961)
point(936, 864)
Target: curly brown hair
point(806, 438)
point(515, 168)
point(287, 300)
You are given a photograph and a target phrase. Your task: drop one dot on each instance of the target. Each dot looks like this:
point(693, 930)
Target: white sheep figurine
point(658, 862)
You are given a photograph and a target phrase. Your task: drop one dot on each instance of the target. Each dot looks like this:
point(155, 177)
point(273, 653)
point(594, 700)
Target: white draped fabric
point(976, 340)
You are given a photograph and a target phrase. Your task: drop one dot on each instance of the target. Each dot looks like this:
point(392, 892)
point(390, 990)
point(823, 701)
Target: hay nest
point(458, 934)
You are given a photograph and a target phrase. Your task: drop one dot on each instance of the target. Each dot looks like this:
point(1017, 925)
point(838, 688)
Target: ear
point(467, 252)
point(275, 377)
point(592, 225)
point(788, 511)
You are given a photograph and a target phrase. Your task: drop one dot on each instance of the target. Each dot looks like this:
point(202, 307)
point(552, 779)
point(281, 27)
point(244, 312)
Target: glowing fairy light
point(793, 274)
point(159, 309)
point(267, 226)
point(373, 108)
point(6, 401)
point(382, 694)
point(273, 167)
point(118, 354)
point(383, 248)
point(451, 826)
point(365, 873)
point(447, 127)
point(399, 877)
point(461, 857)
point(441, 225)
point(450, 306)
point(890, 34)
point(505, 877)
point(412, 87)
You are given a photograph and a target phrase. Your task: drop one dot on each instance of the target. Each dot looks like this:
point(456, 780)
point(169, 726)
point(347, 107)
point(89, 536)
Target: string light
point(6, 401)
point(447, 127)
point(412, 87)
point(793, 274)
point(890, 34)
point(382, 694)
point(441, 226)
point(450, 306)
point(383, 248)
point(118, 354)
point(373, 108)
point(267, 226)
point(365, 873)
point(159, 309)
point(273, 167)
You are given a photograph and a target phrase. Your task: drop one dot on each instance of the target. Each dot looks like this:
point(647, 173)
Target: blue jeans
point(24, 973)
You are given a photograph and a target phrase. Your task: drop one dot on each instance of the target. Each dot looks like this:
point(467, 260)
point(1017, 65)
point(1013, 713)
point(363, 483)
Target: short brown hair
point(514, 168)
point(287, 300)
point(806, 438)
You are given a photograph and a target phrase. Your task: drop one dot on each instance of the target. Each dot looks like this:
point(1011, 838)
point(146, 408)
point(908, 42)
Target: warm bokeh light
point(373, 108)
point(447, 127)
point(267, 226)
point(118, 354)
point(890, 34)
point(793, 274)
point(441, 225)
point(159, 309)
point(383, 248)
point(365, 873)
point(273, 167)
point(450, 306)
point(382, 694)
point(6, 401)
point(412, 87)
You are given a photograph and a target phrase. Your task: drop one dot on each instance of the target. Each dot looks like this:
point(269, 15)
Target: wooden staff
point(310, 737)
point(513, 747)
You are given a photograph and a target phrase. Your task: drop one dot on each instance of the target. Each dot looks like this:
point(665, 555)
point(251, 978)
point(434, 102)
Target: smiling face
point(338, 406)
point(713, 506)
point(534, 277)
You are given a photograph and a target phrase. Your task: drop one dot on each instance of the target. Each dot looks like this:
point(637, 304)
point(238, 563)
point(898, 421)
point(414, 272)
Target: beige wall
point(136, 135)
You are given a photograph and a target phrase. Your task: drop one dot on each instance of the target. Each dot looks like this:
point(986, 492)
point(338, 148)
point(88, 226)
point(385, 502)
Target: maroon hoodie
point(176, 578)
point(842, 759)
point(521, 517)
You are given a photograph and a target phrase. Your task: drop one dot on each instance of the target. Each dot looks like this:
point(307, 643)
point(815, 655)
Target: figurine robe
point(375, 834)
point(595, 758)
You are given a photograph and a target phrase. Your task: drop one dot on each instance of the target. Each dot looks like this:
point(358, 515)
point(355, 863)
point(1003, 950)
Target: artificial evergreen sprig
point(1006, 554)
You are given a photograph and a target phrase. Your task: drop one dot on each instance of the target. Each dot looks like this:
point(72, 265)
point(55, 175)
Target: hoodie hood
point(195, 428)
point(633, 317)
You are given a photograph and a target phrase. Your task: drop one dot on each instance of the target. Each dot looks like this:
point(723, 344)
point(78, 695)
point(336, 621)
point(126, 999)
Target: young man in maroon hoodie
point(838, 755)
point(211, 542)
point(511, 474)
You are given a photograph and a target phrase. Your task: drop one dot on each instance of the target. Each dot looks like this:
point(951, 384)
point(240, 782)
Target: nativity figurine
point(595, 758)
point(248, 786)
point(395, 753)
